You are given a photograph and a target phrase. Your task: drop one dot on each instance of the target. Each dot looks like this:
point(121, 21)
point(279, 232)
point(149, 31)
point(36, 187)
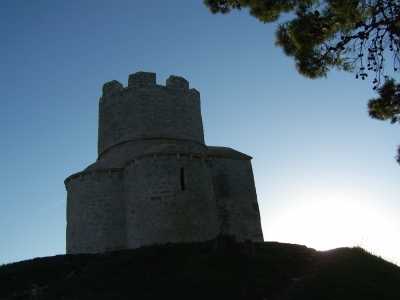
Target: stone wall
point(95, 212)
point(169, 199)
point(235, 194)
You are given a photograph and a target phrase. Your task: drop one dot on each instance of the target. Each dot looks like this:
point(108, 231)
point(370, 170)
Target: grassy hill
point(195, 271)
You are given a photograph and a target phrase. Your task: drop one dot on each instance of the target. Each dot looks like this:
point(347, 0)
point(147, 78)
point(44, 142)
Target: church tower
point(154, 180)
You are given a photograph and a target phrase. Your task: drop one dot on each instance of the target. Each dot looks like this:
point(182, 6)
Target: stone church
point(155, 180)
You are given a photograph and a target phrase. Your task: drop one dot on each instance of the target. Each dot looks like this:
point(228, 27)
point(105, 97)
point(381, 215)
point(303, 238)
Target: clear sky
point(325, 172)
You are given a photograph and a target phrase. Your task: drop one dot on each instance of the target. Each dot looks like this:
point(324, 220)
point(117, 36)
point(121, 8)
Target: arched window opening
point(183, 179)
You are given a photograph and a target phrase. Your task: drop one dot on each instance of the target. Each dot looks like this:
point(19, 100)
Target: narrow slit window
point(182, 179)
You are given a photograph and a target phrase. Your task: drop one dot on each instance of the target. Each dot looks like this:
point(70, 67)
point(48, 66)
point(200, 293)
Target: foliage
point(359, 36)
point(387, 106)
point(350, 35)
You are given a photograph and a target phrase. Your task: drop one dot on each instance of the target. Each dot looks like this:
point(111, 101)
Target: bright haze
point(325, 172)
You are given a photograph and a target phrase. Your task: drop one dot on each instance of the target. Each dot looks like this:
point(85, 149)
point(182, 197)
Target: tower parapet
point(146, 110)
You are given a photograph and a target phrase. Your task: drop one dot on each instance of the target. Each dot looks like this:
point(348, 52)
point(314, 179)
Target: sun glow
point(332, 223)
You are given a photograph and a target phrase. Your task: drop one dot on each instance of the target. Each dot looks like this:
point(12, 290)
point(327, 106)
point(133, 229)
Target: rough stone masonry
point(155, 180)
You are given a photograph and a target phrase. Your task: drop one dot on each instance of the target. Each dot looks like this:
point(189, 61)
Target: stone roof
point(101, 164)
point(226, 152)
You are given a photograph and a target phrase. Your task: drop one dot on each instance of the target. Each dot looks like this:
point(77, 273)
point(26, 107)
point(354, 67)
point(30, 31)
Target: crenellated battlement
point(143, 81)
point(147, 110)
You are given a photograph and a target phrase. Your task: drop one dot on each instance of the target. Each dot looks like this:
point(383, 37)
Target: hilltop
point(195, 271)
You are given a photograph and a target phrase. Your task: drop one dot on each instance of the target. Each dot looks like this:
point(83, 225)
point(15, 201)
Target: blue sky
point(325, 172)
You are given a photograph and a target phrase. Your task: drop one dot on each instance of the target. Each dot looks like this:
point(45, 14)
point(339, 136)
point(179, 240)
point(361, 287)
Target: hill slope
point(194, 271)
